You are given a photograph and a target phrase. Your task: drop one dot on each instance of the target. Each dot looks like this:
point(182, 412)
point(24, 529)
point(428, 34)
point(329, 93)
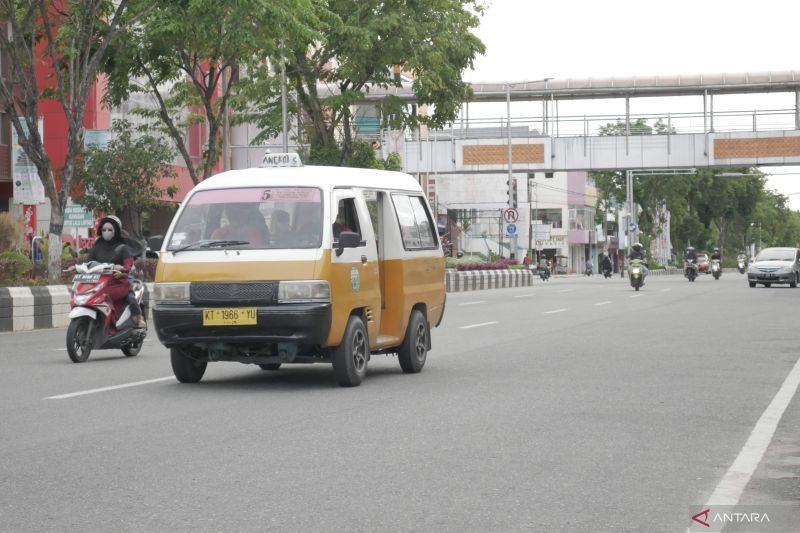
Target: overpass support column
point(797, 110)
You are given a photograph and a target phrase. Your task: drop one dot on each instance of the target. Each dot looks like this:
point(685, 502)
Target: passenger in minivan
point(281, 227)
point(245, 223)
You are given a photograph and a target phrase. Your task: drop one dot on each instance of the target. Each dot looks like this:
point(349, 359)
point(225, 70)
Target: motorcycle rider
point(107, 249)
point(637, 252)
point(716, 254)
point(606, 264)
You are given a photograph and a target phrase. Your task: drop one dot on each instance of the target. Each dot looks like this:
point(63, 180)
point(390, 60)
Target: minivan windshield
point(776, 254)
point(250, 218)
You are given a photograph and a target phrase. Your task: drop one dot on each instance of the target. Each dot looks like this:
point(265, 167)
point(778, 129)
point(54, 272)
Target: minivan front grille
point(234, 293)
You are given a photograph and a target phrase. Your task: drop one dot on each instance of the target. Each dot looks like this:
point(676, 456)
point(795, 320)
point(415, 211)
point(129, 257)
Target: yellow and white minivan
point(299, 264)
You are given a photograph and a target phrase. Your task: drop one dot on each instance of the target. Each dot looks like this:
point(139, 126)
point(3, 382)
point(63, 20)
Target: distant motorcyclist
point(690, 256)
point(637, 252)
point(605, 264)
point(716, 254)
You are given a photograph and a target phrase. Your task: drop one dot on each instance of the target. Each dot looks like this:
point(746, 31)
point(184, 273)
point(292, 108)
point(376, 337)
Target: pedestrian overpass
point(549, 141)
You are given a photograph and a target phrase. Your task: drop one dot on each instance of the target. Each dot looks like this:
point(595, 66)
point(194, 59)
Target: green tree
point(72, 37)
point(127, 176)
point(199, 59)
point(361, 40)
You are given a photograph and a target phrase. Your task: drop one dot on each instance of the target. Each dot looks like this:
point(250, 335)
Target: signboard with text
point(28, 188)
point(76, 216)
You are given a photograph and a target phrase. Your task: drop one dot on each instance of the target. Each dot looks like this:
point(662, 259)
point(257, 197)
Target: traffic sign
point(511, 229)
point(632, 227)
point(510, 215)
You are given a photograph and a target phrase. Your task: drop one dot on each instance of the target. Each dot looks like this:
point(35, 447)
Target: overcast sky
point(531, 40)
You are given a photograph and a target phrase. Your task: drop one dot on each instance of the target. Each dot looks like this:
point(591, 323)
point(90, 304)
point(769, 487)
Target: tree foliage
point(191, 57)
point(127, 177)
point(360, 41)
point(72, 38)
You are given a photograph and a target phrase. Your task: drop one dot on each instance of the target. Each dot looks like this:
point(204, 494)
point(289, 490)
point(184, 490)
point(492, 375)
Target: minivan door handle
point(364, 259)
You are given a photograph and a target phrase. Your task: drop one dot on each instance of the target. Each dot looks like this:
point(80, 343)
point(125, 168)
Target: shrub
point(13, 266)
point(12, 232)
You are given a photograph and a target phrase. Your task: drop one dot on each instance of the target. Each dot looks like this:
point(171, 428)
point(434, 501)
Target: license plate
point(230, 316)
point(86, 278)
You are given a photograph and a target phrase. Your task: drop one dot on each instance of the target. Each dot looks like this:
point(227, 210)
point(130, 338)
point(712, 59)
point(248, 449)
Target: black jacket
point(110, 251)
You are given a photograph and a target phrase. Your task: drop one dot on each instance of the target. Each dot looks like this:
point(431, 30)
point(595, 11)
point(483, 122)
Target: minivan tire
point(186, 369)
point(350, 358)
point(414, 350)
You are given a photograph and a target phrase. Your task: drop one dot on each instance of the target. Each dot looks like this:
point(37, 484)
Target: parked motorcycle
point(607, 272)
point(690, 271)
point(716, 268)
point(636, 273)
point(93, 322)
point(741, 263)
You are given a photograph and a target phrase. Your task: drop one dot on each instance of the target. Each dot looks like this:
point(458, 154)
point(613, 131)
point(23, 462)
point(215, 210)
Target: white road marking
point(105, 389)
point(59, 349)
point(604, 303)
point(478, 325)
point(665, 290)
point(472, 303)
point(554, 311)
point(738, 476)
point(566, 290)
point(524, 295)
point(636, 295)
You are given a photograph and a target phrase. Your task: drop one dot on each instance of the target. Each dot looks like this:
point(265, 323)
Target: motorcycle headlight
point(303, 291)
point(172, 293)
point(636, 270)
point(81, 299)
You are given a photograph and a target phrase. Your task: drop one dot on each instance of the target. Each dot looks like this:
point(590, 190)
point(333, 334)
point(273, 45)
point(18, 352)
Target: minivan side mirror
point(347, 239)
point(155, 242)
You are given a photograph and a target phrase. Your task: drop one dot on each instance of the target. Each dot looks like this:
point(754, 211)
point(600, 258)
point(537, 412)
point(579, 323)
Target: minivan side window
point(346, 218)
point(416, 227)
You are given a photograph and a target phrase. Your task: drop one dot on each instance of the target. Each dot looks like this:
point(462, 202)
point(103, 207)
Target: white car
point(775, 265)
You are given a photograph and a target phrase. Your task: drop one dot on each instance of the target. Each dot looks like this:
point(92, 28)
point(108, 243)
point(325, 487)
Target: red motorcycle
point(94, 324)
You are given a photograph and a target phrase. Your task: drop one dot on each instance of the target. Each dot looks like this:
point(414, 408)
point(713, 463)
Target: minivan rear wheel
point(414, 350)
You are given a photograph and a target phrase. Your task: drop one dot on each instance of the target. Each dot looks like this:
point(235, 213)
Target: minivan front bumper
point(302, 323)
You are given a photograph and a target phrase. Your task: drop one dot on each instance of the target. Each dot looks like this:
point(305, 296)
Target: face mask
point(108, 234)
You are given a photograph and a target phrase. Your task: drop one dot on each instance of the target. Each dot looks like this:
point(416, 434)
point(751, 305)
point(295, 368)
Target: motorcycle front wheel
point(79, 339)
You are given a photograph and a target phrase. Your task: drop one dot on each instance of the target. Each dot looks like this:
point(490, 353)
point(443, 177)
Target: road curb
point(43, 307)
point(478, 280)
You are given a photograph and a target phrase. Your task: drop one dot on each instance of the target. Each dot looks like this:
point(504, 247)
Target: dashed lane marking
point(478, 325)
point(106, 389)
point(554, 311)
point(472, 303)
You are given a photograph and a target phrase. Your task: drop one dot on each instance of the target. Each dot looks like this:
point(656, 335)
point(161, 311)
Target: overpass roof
point(586, 88)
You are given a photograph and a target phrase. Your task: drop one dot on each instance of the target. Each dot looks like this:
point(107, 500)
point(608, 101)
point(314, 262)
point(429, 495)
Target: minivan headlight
point(303, 291)
point(171, 293)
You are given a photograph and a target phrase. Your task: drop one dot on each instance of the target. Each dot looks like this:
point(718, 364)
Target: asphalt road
point(572, 405)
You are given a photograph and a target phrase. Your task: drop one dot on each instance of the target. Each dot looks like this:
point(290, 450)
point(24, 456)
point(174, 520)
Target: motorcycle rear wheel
point(79, 341)
point(132, 350)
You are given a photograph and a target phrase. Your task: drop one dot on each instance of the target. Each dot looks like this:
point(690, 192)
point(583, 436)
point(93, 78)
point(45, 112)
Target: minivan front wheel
point(350, 358)
point(186, 368)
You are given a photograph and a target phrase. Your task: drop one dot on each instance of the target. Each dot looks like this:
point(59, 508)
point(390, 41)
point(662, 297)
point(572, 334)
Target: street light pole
point(514, 237)
point(513, 240)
